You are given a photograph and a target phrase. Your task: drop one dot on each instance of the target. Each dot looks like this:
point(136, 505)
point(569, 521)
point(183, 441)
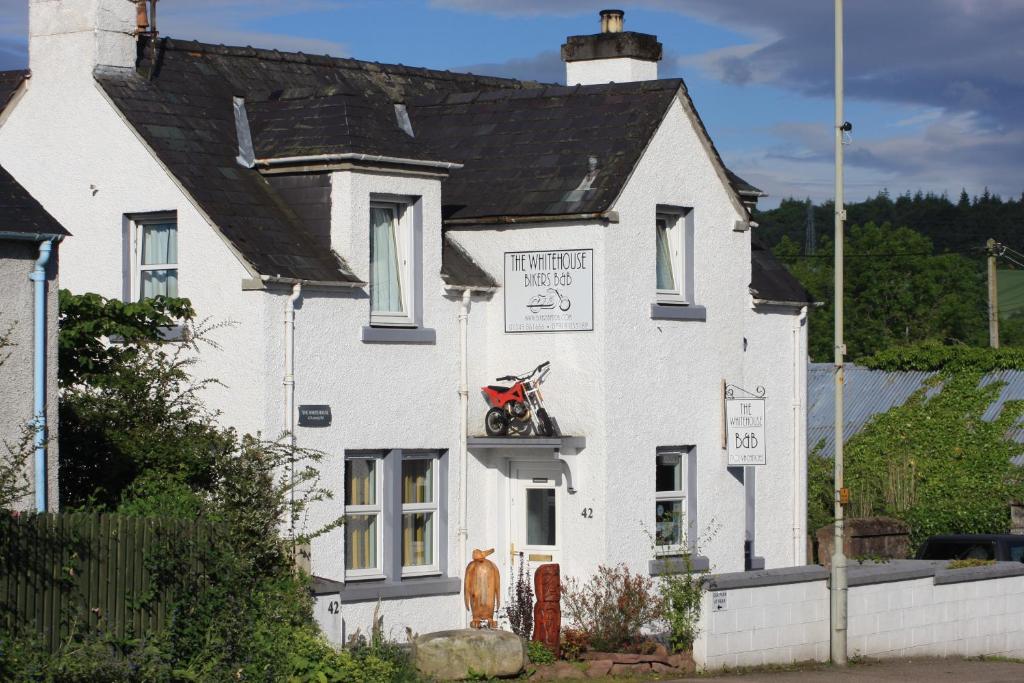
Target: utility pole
point(838, 575)
point(993, 296)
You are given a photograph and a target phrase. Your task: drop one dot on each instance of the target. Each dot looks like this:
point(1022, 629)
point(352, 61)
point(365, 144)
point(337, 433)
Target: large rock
point(458, 655)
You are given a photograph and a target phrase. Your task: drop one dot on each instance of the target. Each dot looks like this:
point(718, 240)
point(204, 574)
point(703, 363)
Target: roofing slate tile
point(21, 213)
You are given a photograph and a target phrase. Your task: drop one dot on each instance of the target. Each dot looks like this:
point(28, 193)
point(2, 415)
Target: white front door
point(535, 514)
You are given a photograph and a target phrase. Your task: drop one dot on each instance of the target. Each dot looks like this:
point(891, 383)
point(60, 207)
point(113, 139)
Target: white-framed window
point(670, 500)
point(419, 514)
point(670, 265)
point(154, 256)
point(392, 293)
point(364, 523)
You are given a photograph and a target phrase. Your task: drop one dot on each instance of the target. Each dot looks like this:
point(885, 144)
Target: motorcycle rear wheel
point(496, 422)
point(544, 424)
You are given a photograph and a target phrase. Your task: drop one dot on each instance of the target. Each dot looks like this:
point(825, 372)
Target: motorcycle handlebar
point(515, 378)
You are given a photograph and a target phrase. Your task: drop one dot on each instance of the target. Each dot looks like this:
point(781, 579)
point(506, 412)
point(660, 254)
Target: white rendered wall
point(776, 358)
point(72, 150)
point(766, 625)
point(663, 377)
point(619, 70)
point(783, 624)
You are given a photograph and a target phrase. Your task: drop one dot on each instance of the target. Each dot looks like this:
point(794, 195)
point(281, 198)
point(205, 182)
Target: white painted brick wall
point(788, 623)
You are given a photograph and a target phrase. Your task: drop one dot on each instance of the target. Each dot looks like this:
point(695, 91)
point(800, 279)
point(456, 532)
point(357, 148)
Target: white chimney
point(611, 55)
point(70, 38)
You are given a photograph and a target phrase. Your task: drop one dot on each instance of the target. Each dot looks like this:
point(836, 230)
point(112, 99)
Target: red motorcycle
point(520, 404)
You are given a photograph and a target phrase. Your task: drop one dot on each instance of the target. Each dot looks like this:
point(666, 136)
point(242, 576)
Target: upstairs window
point(671, 245)
point(155, 257)
point(390, 275)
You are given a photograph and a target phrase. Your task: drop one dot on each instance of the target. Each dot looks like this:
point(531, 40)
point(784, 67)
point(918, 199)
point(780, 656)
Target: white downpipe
point(463, 429)
point(289, 382)
point(799, 453)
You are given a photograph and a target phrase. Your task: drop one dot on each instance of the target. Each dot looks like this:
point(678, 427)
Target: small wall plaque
point(314, 416)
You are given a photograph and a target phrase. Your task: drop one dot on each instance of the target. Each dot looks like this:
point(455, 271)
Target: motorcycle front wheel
point(544, 424)
point(496, 422)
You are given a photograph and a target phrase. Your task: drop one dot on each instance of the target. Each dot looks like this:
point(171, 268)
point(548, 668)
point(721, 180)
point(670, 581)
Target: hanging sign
point(744, 425)
point(549, 291)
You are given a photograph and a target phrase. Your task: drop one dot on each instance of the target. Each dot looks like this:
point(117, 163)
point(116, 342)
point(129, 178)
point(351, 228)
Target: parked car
point(1002, 547)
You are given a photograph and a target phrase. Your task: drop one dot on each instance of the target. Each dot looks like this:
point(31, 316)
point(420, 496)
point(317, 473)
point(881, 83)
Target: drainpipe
point(289, 384)
point(799, 479)
point(463, 428)
point(38, 276)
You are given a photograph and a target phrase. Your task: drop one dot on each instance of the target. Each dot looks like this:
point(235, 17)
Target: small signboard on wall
point(744, 426)
point(549, 291)
point(315, 416)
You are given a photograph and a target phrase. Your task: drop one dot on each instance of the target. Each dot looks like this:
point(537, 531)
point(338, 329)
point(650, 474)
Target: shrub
point(574, 643)
point(613, 607)
point(519, 610)
point(681, 595)
point(539, 653)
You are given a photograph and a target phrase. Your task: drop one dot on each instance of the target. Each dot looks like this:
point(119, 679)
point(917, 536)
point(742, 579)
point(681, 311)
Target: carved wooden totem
point(482, 589)
point(547, 613)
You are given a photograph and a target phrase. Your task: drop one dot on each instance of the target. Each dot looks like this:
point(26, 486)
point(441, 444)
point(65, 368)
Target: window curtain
point(361, 542)
point(666, 278)
point(385, 280)
point(417, 527)
point(159, 247)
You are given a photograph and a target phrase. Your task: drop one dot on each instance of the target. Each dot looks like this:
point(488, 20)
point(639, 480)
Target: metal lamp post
point(838, 576)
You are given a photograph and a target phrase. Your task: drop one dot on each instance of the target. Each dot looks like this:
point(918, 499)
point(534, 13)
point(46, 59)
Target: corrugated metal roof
point(869, 392)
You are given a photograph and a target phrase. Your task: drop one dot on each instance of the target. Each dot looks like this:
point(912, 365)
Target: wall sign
point(744, 425)
point(718, 600)
point(314, 416)
point(549, 291)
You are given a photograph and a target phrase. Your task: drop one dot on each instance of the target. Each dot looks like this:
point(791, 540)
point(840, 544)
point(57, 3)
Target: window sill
point(407, 588)
point(661, 311)
point(674, 564)
point(398, 335)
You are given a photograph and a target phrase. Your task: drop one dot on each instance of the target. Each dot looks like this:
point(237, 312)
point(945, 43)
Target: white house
point(382, 207)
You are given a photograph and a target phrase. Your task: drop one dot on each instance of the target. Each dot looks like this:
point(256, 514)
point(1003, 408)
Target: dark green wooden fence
point(60, 573)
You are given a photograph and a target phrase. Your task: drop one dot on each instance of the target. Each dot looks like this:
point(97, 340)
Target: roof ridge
point(184, 45)
point(544, 90)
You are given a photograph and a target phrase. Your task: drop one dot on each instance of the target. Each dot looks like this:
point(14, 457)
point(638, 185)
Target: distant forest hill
point(963, 226)
point(915, 269)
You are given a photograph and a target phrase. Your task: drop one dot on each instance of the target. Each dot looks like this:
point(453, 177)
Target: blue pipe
point(38, 276)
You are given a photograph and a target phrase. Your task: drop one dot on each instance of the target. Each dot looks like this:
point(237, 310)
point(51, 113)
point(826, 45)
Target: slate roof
point(542, 151)
point(769, 279)
point(20, 213)
point(333, 120)
point(528, 150)
point(742, 187)
point(9, 82)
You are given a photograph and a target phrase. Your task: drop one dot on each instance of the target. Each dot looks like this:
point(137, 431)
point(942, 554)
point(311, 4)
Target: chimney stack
point(614, 54)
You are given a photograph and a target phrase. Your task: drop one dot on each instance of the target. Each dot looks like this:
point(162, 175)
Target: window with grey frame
point(670, 483)
point(153, 253)
point(395, 507)
point(392, 293)
point(673, 241)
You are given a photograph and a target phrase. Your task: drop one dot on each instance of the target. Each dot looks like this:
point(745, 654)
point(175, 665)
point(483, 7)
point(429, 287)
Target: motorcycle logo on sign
point(549, 291)
point(744, 423)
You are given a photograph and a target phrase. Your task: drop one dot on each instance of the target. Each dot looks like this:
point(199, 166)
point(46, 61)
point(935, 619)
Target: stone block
point(867, 537)
point(599, 668)
point(628, 669)
point(460, 654)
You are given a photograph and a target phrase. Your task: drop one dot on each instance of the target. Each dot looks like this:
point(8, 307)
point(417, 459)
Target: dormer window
point(390, 272)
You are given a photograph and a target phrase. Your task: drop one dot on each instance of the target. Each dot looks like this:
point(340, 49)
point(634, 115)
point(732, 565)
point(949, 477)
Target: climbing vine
point(934, 462)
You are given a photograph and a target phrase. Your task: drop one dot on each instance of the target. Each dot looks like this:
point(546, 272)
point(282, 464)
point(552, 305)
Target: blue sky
point(934, 85)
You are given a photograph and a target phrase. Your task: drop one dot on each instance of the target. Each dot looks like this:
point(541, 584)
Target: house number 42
point(588, 513)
